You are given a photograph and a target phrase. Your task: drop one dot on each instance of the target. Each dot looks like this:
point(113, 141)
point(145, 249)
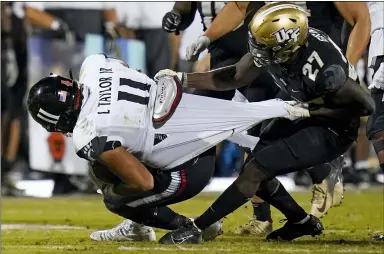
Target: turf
point(348, 228)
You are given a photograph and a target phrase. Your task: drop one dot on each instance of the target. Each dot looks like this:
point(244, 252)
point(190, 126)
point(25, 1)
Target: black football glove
point(62, 31)
point(171, 22)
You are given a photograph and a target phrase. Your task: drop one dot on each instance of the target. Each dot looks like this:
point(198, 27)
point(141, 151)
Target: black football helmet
point(54, 102)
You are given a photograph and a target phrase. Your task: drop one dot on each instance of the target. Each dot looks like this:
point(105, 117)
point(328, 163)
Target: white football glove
point(194, 50)
point(296, 110)
point(378, 78)
point(168, 72)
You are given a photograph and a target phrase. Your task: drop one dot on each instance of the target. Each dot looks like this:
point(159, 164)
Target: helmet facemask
point(68, 118)
point(262, 55)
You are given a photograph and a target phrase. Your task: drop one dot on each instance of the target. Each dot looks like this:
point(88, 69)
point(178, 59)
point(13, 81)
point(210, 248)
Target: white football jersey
point(376, 12)
point(117, 110)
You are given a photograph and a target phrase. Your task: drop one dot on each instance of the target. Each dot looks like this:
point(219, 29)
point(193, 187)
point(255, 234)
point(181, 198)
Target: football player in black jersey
point(226, 50)
point(325, 16)
point(313, 72)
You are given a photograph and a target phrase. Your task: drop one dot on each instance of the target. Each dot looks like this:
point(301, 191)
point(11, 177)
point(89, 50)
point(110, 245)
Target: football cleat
point(126, 231)
point(321, 199)
point(338, 191)
point(213, 231)
point(186, 234)
point(330, 191)
point(255, 227)
point(378, 238)
point(291, 231)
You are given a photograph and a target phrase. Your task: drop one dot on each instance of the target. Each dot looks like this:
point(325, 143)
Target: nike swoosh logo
point(322, 209)
point(181, 240)
point(295, 91)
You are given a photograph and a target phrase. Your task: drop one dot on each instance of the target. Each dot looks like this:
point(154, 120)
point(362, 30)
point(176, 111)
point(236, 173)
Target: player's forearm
point(228, 19)
point(358, 40)
point(357, 16)
point(339, 113)
point(175, 45)
point(350, 101)
point(227, 78)
point(39, 18)
point(130, 170)
point(221, 79)
point(187, 12)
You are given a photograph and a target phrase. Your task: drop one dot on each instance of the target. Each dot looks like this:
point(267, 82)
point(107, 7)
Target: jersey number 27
point(308, 69)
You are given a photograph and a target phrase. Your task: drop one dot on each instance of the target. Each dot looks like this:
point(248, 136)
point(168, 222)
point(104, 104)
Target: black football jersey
point(320, 69)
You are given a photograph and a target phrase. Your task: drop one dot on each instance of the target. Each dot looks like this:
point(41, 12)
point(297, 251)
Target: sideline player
point(147, 142)
point(327, 17)
point(375, 129)
point(307, 67)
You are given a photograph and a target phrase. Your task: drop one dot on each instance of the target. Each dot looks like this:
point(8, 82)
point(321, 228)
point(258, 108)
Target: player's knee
point(121, 209)
point(113, 207)
point(250, 179)
point(268, 187)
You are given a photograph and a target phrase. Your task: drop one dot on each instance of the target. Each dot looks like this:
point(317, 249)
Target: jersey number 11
point(125, 96)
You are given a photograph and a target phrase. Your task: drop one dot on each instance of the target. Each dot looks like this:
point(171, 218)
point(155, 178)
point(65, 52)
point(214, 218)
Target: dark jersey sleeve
point(334, 79)
point(327, 67)
point(96, 147)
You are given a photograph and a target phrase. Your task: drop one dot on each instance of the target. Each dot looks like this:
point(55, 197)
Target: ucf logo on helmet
point(285, 35)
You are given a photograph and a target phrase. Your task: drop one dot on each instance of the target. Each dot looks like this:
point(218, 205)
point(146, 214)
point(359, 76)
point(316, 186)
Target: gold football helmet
point(276, 32)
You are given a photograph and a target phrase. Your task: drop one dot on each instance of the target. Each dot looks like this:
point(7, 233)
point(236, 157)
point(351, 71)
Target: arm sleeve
point(97, 146)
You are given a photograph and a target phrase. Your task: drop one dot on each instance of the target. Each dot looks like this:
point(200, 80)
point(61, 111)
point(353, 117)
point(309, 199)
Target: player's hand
point(194, 50)
point(378, 78)
point(171, 22)
point(63, 32)
point(296, 110)
point(169, 73)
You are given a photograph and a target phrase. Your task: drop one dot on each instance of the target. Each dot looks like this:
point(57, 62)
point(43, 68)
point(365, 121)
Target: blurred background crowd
point(42, 37)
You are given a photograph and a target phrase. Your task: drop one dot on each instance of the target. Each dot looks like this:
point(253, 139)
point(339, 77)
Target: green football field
point(25, 230)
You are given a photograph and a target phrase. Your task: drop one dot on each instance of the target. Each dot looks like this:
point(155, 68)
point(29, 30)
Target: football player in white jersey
point(375, 128)
point(146, 141)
